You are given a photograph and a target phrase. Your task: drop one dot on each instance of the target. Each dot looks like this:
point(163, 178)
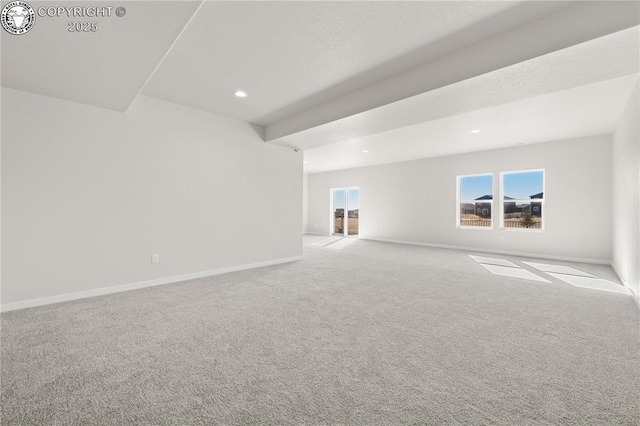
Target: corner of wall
point(305, 203)
point(625, 195)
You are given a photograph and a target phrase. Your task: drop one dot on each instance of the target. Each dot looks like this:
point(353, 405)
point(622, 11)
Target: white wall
point(89, 194)
point(626, 194)
point(305, 202)
point(415, 201)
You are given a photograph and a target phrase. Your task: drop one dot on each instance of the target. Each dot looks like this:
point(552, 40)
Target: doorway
point(345, 211)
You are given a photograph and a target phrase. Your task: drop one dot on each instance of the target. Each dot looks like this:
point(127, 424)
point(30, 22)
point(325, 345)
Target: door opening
point(345, 211)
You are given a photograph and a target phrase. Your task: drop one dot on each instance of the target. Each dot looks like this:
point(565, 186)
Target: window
point(345, 211)
point(475, 200)
point(522, 199)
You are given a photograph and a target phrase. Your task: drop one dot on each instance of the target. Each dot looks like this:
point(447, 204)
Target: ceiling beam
point(567, 27)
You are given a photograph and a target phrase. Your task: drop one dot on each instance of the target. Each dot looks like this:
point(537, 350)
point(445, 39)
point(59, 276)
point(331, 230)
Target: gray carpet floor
point(374, 333)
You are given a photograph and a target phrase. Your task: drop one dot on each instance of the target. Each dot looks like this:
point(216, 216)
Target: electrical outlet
point(155, 258)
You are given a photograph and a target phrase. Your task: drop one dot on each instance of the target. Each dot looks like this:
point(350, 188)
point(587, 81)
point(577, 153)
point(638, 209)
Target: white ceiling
point(346, 73)
point(289, 56)
point(561, 30)
point(586, 110)
point(106, 68)
point(604, 58)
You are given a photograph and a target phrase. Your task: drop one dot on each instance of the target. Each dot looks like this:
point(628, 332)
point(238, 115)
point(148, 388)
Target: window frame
point(459, 202)
point(529, 200)
point(346, 190)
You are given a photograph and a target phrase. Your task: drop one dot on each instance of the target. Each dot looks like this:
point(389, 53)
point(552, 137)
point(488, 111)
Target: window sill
point(484, 228)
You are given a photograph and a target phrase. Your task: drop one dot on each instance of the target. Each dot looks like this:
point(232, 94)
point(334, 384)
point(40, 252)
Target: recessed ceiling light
point(475, 131)
point(305, 162)
point(240, 94)
point(365, 151)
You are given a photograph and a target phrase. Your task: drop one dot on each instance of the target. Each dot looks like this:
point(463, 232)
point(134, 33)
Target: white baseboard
point(316, 233)
point(31, 303)
point(484, 250)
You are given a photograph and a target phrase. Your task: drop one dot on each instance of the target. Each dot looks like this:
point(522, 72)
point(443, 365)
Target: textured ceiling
point(290, 56)
point(322, 73)
point(604, 58)
point(582, 111)
point(582, 22)
point(105, 68)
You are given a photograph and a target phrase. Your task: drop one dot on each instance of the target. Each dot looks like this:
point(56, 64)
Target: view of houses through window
point(522, 200)
point(475, 200)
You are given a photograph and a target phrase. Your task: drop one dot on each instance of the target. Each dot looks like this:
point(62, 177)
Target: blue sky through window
point(338, 199)
point(472, 187)
point(523, 185)
point(353, 199)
